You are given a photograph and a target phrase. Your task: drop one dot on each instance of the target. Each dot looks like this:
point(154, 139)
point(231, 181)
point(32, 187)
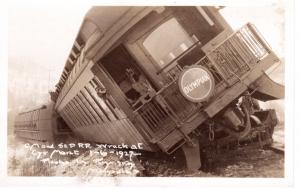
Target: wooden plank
point(136, 137)
point(89, 108)
point(83, 110)
point(79, 111)
point(73, 117)
point(100, 102)
point(95, 105)
point(114, 132)
point(104, 135)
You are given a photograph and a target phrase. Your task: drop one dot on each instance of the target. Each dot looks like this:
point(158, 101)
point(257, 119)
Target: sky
point(270, 22)
point(40, 39)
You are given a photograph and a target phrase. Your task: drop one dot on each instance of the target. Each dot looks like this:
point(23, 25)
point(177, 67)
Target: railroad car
point(40, 125)
point(172, 78)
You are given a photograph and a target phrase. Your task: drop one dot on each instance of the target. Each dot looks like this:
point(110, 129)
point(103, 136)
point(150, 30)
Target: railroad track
point(277, 149)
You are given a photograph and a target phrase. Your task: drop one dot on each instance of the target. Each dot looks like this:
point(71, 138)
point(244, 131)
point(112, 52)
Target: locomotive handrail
point(178, 57)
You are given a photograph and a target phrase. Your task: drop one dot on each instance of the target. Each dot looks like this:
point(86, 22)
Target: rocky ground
point(242, 162)
point(249, 161)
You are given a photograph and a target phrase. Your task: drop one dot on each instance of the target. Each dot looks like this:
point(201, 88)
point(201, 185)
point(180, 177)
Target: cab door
point(134, 43)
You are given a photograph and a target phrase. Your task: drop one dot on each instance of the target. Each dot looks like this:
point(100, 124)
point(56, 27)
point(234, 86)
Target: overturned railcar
point(172, 78)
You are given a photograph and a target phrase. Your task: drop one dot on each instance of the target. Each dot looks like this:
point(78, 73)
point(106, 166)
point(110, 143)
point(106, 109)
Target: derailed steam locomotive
point(172, 78)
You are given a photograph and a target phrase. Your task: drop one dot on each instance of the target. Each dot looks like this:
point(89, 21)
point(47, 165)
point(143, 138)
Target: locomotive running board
point(266, 89)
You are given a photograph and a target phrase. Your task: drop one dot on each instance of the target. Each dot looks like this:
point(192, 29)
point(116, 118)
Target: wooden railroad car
point(172, 78)
point(40, 125)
